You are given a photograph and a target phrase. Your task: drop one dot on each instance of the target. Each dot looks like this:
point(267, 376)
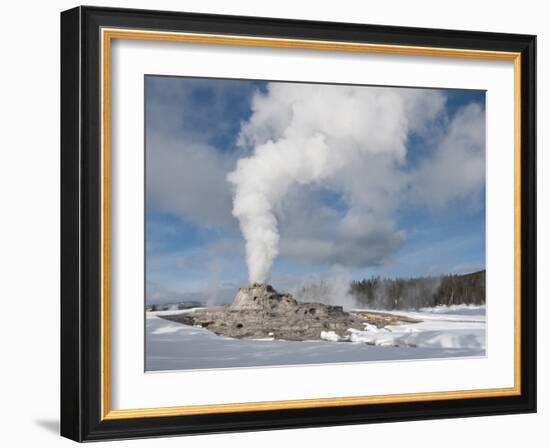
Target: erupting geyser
point(300, 135)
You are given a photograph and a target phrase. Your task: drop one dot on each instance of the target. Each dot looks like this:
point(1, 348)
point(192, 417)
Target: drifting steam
point(312, 134)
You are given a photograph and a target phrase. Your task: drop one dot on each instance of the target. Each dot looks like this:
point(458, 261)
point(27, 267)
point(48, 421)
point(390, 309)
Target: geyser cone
point(259, 311)
point(262, 297)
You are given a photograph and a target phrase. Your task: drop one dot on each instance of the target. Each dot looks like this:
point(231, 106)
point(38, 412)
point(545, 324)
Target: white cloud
point(457, 168)
point(187, 119)
point(188, 180)
point(314, 233)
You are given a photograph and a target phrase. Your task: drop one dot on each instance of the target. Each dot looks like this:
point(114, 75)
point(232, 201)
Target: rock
point(259, 312)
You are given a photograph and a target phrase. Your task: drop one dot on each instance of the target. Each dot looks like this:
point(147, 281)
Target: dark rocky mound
point(261, 312)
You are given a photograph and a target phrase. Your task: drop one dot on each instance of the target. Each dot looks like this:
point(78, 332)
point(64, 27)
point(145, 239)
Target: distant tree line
point(173, 306)
point(420, 292)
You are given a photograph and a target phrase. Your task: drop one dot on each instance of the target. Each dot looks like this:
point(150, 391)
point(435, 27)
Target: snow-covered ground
point(445, 332)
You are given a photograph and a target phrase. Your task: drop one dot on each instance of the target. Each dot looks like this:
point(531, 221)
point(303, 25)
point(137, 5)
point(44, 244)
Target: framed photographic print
point(273, 223)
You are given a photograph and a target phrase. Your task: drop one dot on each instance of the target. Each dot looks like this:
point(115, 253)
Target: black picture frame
point(81, 415)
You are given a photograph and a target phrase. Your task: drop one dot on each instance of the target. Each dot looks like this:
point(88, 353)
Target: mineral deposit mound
point(261, 312)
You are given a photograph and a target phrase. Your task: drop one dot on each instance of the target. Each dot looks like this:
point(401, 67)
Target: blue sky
point(424, 213)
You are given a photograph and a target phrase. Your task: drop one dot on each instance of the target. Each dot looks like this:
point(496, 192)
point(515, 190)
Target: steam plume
point(303, 134)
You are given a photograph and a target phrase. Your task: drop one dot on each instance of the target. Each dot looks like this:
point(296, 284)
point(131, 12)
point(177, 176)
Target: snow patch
point(330, 336)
